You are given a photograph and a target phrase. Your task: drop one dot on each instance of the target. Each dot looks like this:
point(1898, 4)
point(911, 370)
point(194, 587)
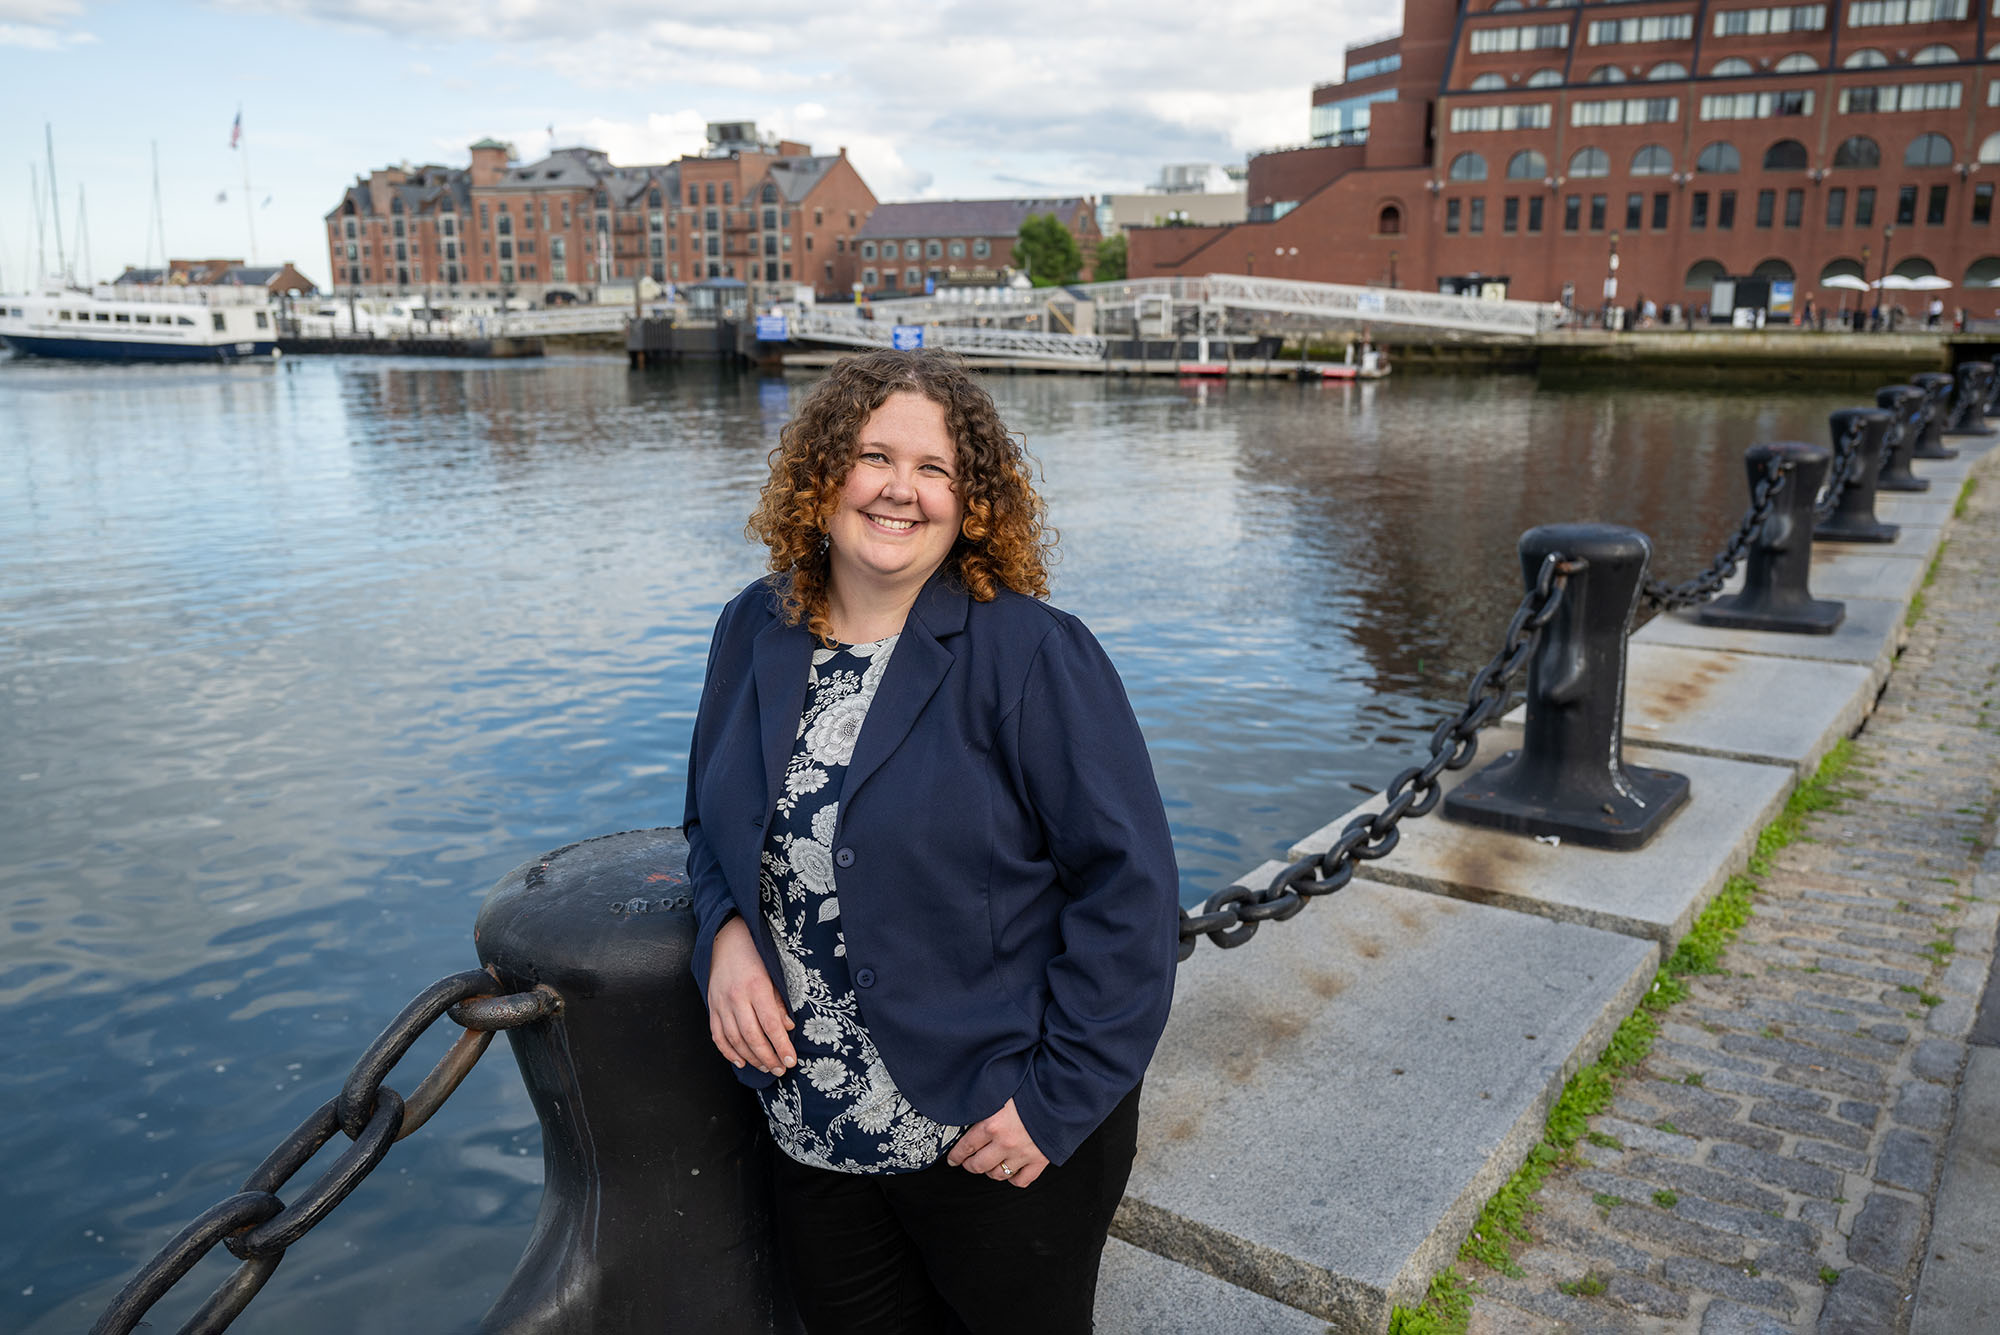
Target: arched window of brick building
point(1841, 268)
point(1653, 160)
point(1527, 165)
point(1787, 155)
point(1796, 63)
point(1703, 273)
point(1589, 162)
point(1938, 54)
point(1858, 151)
point(1773, 270)
point(1607, 74)
point(1719, 159)
point(1545, 78)
point(1989, 151)
point(1668, 69)
point(1503, 6)
point(1916, 266)
point(1983, 272)
point(1467, 167)
point(1732, 68)
point(1993, 52)
point(1389, 222)
point(1928, 150)
point(1487, 83)
point(1867, 58)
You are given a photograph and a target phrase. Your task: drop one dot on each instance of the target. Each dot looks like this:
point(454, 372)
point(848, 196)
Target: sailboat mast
point(55, 199)
point(158, 222)
point(41, 239)
point(82, 237)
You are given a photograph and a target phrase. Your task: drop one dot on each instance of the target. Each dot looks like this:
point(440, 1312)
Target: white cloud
point(38, 37)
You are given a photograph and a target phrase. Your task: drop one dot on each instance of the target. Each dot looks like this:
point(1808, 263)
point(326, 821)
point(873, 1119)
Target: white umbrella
point(1930, 283)
point(1895, 282)
point(1848, 281)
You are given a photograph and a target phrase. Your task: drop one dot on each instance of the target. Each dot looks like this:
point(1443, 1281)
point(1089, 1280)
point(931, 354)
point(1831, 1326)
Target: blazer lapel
point(915, 670)
point(780, 657)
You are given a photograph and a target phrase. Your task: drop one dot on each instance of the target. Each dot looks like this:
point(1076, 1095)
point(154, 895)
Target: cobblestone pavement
point(1771, 1166)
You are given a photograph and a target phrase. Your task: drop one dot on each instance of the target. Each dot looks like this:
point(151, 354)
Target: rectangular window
point(1864, 206)
point(1767, 203)
point(1757, 106)
point(1880, 13)
point(1521, 37)
point(1836, 206)
point(1901, 97)
point(1597, 205)
point(1993, 88)
point(1660, 206)
point(1725, 210)
point(1795, 207)
point(1510, 214)
point(1476, 222)
point(1982, 204)
point(1755, 22)
point(1534, 213)
point(1906, 206)
point(1658, 28)
point(1626, 111)
point(1936, 204)
point(1526, 116)
point(1451, 216)
point(1635, 212)
point(1572, 213)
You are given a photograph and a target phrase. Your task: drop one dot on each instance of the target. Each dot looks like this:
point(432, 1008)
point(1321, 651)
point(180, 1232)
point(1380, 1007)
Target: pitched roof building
point(1690, 139)
point(958, 242)
point(757, 208)
point(278, 279)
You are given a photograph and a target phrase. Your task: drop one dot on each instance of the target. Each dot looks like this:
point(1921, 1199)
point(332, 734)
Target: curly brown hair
point(1004, 539)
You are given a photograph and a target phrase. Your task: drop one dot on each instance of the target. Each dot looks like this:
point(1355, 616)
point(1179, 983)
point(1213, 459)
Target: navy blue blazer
point(1007, 887)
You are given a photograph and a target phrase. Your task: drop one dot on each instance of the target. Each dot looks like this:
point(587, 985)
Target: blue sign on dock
point(906, 337)
point(771, 328)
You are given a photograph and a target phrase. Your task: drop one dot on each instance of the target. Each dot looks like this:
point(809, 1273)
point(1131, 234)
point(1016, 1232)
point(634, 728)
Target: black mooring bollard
point(655, 1213)
point(1777, 571)
point(1853, 518)
point(1569, 777)
point(1906, 404)
point(1975, 382)
point(1937, 387)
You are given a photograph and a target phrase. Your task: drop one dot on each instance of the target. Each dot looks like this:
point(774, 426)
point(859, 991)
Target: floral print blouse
point(838, 1108)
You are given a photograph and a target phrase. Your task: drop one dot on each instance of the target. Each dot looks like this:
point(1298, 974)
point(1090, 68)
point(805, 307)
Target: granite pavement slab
point(1773, 711)
point(1139, 1293)
point(1870, 636)
point(1917, 541)
point(1928, 508)
point(1653, 892)
point(1843, 570)
point(1335, 1100)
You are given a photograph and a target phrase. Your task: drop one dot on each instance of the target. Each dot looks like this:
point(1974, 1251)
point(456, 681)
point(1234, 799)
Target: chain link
point(255, 1225)
point(1692, 592)
point(1841, 473)
point(1231, 915)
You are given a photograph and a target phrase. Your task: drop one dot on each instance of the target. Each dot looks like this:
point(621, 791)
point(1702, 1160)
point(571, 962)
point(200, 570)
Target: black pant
point(944, 1252)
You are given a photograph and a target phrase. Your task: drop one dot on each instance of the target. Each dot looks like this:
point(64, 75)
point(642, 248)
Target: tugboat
point(140, 324)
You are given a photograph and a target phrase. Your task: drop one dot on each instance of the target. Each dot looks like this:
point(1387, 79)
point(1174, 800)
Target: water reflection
point(299, 659)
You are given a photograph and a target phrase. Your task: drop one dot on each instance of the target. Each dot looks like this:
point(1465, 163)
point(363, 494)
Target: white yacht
point(132, 323)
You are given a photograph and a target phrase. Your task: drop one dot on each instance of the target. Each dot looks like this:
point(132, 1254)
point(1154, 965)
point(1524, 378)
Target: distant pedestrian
point(1935, 316)
point(1812, 317)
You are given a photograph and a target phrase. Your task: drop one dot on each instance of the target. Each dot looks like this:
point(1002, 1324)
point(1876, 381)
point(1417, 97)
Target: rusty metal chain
point(1231, 915)
point(1840, 474)
point(1692, 592)
point(255, 1225)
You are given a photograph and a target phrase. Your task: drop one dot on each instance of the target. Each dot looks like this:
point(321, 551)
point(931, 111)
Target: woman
point(935, 889)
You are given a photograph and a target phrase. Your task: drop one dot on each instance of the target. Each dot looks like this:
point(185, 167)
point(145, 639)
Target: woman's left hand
point(999, 1148)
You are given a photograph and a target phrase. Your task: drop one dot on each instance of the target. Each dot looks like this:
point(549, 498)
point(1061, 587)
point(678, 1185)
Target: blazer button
point(864, 978)
point(843, 857)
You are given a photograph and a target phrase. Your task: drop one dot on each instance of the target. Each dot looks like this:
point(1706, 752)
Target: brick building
point(1690, 139)
point(764, 210)
point(278, 279)
point(959, 242)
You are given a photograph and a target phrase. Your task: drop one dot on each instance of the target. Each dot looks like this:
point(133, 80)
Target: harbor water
point(299, 658)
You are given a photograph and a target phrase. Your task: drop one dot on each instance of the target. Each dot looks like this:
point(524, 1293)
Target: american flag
point(236, 130)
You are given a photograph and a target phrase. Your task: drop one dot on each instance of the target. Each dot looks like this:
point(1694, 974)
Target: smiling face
point(899, 514)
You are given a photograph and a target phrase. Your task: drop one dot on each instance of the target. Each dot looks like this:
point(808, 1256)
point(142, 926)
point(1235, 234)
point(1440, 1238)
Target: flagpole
point(249, 203)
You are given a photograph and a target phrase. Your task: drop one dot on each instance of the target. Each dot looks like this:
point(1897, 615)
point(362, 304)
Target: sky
point(931, 99)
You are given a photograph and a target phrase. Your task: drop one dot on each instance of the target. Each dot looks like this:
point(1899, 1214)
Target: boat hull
point(107, 350)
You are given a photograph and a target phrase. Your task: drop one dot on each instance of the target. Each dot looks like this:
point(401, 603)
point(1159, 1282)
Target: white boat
point(132, 323)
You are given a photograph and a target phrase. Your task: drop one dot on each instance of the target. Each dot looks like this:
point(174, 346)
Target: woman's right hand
point(745, 1017)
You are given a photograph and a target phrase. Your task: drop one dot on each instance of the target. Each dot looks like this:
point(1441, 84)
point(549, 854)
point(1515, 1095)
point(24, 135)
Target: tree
point(1110, 266)
point(1047, 251)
